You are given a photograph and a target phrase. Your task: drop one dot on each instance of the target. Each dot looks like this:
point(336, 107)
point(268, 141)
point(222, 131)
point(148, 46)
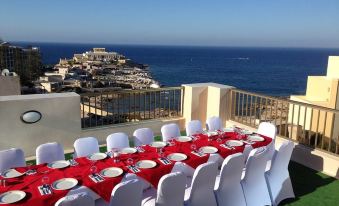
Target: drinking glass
point(3, 183)
point(93, 169)
point(194, 147)
point(45, 181)
point(219, 140)
point(130, 161)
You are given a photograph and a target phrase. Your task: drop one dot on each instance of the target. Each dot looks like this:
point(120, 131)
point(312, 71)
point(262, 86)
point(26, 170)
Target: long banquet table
point(30, 183)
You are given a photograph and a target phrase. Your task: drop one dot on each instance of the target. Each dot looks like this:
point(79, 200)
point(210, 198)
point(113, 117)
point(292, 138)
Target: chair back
point(267, 129)
point(281, 157)
point(49, 152)
point(170, 131)
point(229, 190)
point(171, 190)
point(86, 146)
point(11, 158)
point(193, 127)
point(127, 193)
point(79, 199)
point(117, 140)
point(254, 182)
point(213, 123)
point(143, 136)
point(202, 185)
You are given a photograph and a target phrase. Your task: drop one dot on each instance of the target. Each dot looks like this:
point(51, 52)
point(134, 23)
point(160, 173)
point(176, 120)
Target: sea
point(270, 71)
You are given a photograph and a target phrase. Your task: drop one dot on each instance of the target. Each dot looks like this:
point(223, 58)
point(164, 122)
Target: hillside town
point(97, 70)
point(92, 71)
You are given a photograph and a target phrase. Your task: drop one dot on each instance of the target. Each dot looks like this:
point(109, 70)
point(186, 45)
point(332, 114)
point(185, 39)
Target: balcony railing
point(106, 108)
point(307, 124)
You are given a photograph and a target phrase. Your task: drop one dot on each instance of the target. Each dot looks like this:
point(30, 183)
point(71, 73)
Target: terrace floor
point(311, 188)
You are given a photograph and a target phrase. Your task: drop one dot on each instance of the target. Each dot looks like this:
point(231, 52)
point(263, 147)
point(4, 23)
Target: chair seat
point(149, 196)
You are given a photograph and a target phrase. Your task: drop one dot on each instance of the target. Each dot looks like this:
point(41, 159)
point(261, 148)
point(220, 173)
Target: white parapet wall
point(60, 120)
point(9, 85)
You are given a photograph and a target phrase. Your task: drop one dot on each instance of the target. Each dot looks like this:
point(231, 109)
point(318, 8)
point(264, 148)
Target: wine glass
point(130, 161)
point(93, 169)
point(160, 151)
point(3, 183)
point(194, 147)
point(45, 181)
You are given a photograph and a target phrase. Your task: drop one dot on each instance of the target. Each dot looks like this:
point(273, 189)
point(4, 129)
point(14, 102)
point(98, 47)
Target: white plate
point(146, 164)
point(111, 172)
point(128, 150)
point(229, 129)
point(97, 156)
point(212, 133)
point(255, 138)
point(64, 184)
point(246, 132)
point(11, 173)
point(12, 196)
point(158, 144)
point(234, 143)
point(209, 149)
point(184, 139)
point(177, 157)
point(58, 164)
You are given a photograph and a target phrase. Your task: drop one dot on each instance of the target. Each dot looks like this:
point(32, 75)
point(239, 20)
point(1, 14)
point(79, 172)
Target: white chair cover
point(117, 140)
point(201, 192)
point(171, 191)
point(143, 136)
point(254, 182)
point(85, 146)
point(80, 199)
point(269, 130)
point(278, 178)
point(49, 152)
point(228, 190)
point(11, 158)
point(213, 123)
point(170, 131)
point(193, 127)
point(127, 193)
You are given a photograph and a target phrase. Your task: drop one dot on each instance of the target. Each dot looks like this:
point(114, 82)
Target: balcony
point(68, 116)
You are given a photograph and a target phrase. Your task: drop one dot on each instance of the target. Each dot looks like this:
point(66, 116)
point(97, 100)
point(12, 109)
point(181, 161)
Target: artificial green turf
point(311, 188)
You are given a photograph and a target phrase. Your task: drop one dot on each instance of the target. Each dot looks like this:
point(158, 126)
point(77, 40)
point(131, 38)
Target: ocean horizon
point(267, 70)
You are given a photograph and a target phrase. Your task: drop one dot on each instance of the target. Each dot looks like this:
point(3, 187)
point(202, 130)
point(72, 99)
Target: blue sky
point(283, 23)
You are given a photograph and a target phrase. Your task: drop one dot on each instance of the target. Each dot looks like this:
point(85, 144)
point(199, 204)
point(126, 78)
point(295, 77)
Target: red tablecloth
point(30, 183)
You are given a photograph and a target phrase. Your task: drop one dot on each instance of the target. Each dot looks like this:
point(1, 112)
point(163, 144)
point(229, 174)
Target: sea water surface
point(271, 71)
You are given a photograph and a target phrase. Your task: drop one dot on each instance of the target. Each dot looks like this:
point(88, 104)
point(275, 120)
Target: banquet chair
point(143, 136)
point(201, 193)
point(127, 193)
point(278, 177)
point(228, 190)
point(49, 152)
point(11, 158)
point(269, 130)
point(193, 127)
point(213, 123)
point(86, 146)
point(254, 183)
point(79, 199)
point(170, 192)
point(117, 140)
point(170, 131)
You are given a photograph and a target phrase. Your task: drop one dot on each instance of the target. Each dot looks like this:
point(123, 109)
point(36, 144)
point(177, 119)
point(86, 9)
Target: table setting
point(45, 184)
